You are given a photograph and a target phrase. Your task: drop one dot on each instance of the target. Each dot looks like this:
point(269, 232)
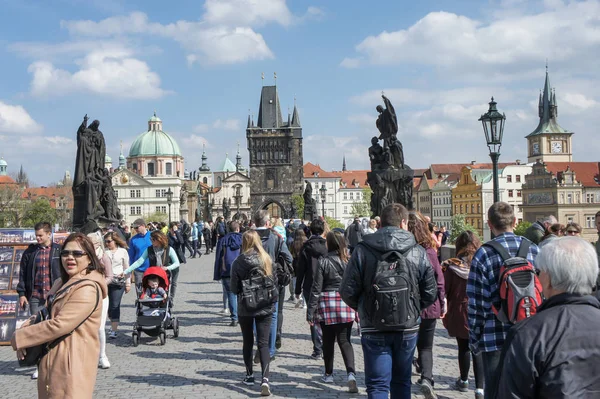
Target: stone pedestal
point(390, 186)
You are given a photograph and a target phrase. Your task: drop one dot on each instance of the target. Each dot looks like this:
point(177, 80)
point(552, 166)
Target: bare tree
point(11, 204)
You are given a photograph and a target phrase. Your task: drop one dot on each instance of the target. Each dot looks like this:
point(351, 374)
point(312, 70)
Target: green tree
point(11, 205)
point(157, 217)
point(362, 208)
point(521, 227)
point(39, 210)
point(333, 223)
point(298, 201)
point(459, 225)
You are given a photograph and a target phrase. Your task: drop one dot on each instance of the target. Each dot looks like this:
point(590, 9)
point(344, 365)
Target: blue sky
point(199, 65)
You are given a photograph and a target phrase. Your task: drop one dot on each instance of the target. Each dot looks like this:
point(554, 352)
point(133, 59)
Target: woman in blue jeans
point(119, 259)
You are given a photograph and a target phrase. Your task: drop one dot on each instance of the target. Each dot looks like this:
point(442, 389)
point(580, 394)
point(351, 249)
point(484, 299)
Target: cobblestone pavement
point(206, 360)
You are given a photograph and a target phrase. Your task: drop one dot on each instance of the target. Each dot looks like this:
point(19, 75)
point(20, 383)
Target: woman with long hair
point(254, 257)
point(418, 225)
point(159, 254)
point(326, 307)
point(69, 369)
point(98, 242)
point(456, 272)
point(116, 249)
point(299, 240)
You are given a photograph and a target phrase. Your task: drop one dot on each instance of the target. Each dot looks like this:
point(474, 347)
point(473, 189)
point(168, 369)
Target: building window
point(138, 193)
point(116, 193)
point(345, 196)
point(569, 198)
point(135, 210)
point(134, 167)
point(132, 193)
point(508, 178)
point(570, 218)
point(511, 193)
point(589, 198)
point(151, 171)
point(219, 181)
point(590, 221)
point(169, 168)
point(157, 194)
point(519, 194)
point(518, 178)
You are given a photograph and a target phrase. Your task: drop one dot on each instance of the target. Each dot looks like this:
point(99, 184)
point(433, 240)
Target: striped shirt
point(486, 332)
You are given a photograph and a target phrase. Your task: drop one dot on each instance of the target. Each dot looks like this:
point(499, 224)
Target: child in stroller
point(153, 308)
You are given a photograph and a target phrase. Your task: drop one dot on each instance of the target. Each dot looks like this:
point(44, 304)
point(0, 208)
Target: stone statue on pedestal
point(226, 209)
point(390, 178)
point(293, 210)
point(309, 203)
point(94, 197)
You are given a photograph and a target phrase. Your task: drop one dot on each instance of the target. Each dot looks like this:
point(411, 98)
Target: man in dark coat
point(537, 230)
point(354, 234)
point(207, 235)
point(176, 241)
point(312, 250)
point(227, 250)
point(556, 353)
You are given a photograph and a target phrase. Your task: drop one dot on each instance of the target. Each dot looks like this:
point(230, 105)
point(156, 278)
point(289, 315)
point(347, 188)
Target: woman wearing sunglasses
point(69, 368)
point(116, 249)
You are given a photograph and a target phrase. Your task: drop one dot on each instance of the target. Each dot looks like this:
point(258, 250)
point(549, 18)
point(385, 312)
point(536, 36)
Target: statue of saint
point(226, 209)
point(396, 152)
point(293, 210)
point(387, 123)
point(91, 151)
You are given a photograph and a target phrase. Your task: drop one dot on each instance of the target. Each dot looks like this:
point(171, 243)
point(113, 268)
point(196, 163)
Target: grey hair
point(571, 263)
point(261, 218)
point(550, 219)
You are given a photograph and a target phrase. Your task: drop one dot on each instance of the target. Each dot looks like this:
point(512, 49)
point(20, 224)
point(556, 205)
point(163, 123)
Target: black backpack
point(258, 290)
point(392, 299)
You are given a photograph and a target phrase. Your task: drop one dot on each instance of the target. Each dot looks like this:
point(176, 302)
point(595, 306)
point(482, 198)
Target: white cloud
point(229, 124)
point(195, 141)
point(578, 101)
point(328, 151)
point(561, 33)
point(14, 119)
point(247, 13)
point(350, 63)
point(113, 72)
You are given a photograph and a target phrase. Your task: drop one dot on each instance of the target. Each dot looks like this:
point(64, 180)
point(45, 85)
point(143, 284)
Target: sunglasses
point(76, 254)
point(108, 241)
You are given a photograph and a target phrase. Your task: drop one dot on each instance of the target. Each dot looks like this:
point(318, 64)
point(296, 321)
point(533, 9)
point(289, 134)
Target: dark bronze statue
point(309, 202)
point(94, 197)
point(226, 209)
point(376, 155)
point(293, 210)
point(387, 123)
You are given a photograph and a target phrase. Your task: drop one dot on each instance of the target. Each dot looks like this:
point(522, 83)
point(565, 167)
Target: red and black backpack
point(518, 283)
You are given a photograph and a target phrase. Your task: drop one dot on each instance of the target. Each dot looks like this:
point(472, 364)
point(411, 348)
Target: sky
point(199, 65)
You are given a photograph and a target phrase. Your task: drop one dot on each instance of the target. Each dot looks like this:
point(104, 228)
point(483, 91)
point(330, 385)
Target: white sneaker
point(104, 363)
point(352, 387)
point(225, 311)
point(112, 334)
point(34, 376)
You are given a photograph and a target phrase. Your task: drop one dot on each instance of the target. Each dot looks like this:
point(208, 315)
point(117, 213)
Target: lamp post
point(493, 127)
point(323, 192)
point(169, 202)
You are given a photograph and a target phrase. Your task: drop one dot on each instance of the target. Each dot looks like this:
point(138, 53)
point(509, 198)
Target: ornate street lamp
point(493, 127)
point(169, 202)
point(323, 192)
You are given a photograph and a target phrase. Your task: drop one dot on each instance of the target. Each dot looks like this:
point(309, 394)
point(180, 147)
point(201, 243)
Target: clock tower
point(549, 142)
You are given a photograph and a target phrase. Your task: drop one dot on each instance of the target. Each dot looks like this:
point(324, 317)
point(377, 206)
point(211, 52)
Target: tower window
point(205, 180)
point(169, 168)
point(151, 169)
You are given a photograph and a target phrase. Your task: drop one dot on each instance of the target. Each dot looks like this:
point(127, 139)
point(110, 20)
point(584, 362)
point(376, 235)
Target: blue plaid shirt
point(486, 332)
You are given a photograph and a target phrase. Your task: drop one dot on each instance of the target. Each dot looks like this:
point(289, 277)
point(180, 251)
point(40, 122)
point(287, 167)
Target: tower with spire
point(204, 173)
point(549, 142)
point(122, 160)
point(276, 160)
point(344, 164)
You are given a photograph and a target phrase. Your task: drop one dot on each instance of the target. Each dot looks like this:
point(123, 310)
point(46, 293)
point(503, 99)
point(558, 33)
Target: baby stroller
point(153, 315)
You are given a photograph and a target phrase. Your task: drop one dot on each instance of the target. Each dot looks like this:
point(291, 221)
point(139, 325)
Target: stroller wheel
point(136, 339)
point(175, 327)
point(162, 337)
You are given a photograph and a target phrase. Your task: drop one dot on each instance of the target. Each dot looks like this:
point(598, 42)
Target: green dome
point(154, 142)
point(107, 159)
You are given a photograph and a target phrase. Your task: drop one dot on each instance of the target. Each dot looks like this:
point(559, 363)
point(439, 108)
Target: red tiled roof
point(6, 180)
point(349, 177)
point(587, 173)
point(420, 172)
point(416, 181)
point(310, 169)
point(49, 193)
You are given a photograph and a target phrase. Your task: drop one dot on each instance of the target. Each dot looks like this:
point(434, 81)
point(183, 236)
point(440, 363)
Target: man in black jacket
point(40, 268)
point(388, 355)
point(313, 249)
point(556, 353)
point(207, 235)
point(275, 246)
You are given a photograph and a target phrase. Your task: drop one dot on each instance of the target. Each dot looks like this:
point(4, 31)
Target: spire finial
point(275, 77)
point(262, 78)
point(294, 100)
point(121, 146)
point(203, 146)
point(155, 112)
point(238, 147)
point(546, 65)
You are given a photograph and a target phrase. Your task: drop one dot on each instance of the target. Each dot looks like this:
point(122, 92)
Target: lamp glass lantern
point(169, 194)
point(493, 127)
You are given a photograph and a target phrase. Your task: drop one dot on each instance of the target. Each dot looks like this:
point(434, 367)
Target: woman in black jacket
point(326, 307)
point(253, 256)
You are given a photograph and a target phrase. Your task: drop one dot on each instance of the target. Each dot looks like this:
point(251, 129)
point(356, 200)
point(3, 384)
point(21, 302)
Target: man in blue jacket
point(228, 248)
point(137, 245)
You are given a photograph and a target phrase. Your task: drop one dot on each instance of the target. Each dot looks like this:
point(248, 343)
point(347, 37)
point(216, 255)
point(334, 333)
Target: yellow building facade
point(467, 197)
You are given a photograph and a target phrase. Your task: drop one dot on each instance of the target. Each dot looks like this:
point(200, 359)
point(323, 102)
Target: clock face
point(536, 148)
point(556, 147)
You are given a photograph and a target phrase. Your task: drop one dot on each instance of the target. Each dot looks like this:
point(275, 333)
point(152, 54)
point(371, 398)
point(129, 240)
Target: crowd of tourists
point(523, 309)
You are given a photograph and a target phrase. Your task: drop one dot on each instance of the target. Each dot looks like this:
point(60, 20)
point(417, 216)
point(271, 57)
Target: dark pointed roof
point(295, 117)
point(548, 112)
point(344, 164)
point(249, 122)
point(269, 112)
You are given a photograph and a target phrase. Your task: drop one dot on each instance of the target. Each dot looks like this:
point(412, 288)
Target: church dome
point(154, 142)
point(107, 159)
point(3, 162)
